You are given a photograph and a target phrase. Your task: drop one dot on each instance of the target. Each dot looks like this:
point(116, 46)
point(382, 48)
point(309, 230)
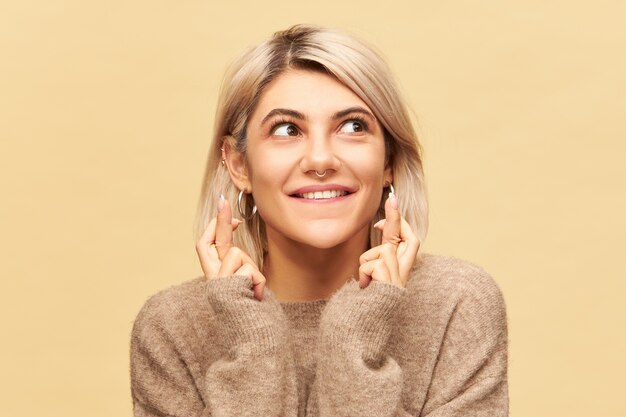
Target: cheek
point(367, 164)
point(268, 174)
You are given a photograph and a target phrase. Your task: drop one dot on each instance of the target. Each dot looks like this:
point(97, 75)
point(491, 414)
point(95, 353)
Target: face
point(307, 124)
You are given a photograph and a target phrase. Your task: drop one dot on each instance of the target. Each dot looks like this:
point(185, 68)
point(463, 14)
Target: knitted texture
point(435, 348)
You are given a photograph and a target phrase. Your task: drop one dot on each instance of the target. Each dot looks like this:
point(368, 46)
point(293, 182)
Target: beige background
point(105, 111)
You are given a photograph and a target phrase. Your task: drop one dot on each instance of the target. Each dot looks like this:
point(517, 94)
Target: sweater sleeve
point(470, 376)
point(355, 376)
point(254, 377)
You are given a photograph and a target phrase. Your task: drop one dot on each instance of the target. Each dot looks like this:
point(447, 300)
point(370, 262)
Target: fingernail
point(220, 203)
point(394, 200)
point(378, 223)
point(237, 220)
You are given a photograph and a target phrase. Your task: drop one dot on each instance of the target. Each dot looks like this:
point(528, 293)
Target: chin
point(326, 235)
point(323, 243)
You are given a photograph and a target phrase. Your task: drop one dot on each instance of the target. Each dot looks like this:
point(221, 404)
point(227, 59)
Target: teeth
point(318, 195)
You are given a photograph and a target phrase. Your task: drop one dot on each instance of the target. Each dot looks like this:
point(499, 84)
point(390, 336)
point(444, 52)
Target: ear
point(388, 175)
point(236, 165)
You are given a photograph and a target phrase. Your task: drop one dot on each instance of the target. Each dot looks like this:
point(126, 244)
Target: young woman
point(314, 300)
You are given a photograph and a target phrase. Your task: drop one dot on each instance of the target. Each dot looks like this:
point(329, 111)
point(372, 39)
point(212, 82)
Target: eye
point(353, 126)
point(285, 129)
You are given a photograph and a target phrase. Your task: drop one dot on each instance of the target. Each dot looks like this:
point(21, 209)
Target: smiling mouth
point(322, 195)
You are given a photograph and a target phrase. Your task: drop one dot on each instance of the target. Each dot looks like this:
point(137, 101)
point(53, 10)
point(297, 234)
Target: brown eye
point(285, 129)
point(352, 126)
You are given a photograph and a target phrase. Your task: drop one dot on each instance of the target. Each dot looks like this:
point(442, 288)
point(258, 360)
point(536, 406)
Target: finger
point(376, 252)
point(232, 261)
point(205, 248)
point(364, 280)
point(207, 256)
point(258, 280)
point(375, 269)
point(407, 250)
point(386, 252)
point(369, 255)
point(235, 258)
point(392, 226)
point(223, 228)
point(208, 236)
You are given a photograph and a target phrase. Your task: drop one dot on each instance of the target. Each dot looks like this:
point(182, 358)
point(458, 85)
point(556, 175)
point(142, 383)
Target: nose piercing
point(320, 175)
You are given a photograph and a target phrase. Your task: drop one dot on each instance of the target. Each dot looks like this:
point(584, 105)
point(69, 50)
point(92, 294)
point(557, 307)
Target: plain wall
point(106, 108)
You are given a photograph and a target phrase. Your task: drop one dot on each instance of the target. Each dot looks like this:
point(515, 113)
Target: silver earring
point(318, 174)
point(241, 211)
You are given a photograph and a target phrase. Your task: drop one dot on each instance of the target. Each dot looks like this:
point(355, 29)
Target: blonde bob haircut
point(354, 64)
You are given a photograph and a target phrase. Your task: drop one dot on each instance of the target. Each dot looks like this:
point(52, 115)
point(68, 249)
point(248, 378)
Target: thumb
point(393, 222)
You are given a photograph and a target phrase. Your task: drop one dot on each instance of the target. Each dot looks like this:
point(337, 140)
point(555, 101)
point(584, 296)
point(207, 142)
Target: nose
point(319, 155)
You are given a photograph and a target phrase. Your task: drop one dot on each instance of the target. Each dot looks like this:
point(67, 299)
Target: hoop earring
point(241, 211)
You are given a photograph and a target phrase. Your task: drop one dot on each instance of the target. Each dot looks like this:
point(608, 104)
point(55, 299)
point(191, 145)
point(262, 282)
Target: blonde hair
point(354, 64)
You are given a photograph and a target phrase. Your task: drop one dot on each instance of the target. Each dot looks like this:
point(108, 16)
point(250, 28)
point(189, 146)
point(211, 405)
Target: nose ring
point(320, 175)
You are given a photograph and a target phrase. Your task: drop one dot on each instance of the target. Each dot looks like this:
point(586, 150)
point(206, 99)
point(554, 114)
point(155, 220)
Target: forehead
point(313, 93)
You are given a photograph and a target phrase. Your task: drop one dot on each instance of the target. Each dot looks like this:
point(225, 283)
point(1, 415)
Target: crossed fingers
point(218, 255)
point(391, 261)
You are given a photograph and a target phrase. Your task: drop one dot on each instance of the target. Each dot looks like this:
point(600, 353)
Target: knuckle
point(389, 248)
point(413, 243)
point(222, 245)
point(382, 267)
point(259, 280)
point(235, 251)
point(228, 256)
point(231, 253)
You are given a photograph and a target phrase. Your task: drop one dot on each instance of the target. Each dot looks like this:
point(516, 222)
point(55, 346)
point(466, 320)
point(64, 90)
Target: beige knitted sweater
point(435, 348)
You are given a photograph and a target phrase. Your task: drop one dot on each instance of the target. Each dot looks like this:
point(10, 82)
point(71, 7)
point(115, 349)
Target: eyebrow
point(297, 115)
point(283, 112)
point(355, 109)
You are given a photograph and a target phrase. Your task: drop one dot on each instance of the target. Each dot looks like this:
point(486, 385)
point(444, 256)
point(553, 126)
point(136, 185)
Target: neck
point(298, 272)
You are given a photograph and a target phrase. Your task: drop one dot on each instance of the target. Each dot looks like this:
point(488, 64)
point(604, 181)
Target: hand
point(220, 258)
point(391, 261)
